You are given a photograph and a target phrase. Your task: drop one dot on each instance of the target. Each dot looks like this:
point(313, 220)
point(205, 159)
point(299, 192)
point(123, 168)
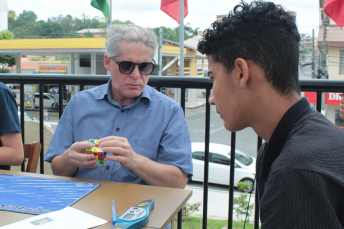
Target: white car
point(219, 164)
point(49, 101)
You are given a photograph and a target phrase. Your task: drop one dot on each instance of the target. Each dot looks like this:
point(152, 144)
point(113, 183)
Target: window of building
point(200, 71)
point(85, 60)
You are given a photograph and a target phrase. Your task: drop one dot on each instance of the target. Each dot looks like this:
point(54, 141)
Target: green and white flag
point(102, 5)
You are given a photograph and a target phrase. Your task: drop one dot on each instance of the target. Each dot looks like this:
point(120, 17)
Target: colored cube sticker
point(97, 151)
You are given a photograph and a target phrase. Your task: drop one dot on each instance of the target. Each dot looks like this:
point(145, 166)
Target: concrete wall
point(330, 112)
point(100, 65)
point(333, 61)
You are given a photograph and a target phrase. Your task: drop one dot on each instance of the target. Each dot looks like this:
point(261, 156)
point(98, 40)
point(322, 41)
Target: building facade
point(3, 15)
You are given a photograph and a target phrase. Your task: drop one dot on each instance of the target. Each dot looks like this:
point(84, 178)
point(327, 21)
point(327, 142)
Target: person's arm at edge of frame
point(11, 152)
point(342, 106)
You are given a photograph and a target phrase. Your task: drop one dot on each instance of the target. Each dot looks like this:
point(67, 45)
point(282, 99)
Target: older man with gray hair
point(143, 131)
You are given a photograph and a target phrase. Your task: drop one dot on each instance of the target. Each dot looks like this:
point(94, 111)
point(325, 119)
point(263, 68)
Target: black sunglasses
point(127, 67)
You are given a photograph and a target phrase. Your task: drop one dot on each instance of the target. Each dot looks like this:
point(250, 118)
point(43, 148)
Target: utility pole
point(160, 52)
point(313, 61)
point(181, 38)
point(322, 68)
point(110, 18)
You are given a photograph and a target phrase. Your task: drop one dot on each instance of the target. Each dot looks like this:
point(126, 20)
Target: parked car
point(219, 164)
point(49, 101)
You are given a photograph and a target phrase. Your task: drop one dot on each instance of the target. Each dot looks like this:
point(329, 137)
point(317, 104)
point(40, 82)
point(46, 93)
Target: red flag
point(171, 7)
point(335, 10)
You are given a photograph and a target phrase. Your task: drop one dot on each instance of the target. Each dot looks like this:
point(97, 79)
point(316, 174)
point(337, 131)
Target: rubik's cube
point(97, 151)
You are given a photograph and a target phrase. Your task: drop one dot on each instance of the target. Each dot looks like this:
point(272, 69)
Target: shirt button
point(122, 110)
point(117, 128)
point(107, 167)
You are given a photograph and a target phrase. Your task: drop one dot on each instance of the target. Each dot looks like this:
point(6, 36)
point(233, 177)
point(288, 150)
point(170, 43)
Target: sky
point(147, 13)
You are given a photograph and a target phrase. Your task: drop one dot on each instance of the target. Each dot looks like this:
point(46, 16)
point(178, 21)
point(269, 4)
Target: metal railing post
point(22, 119)
point(231, 181)
point(41, 127)
point(256, 205)
point(206, 160)
point(60, 100)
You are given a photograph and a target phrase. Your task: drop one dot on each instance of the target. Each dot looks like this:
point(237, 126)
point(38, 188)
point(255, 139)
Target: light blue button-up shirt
point(153, 123)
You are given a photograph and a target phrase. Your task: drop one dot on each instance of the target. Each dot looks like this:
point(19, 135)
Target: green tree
point(28, 15)
point(88, 34)
point(11, 19)
point(72, 34)
point(86, 22)
point(102, 25)
point(241, 203)
point(6, 35)
point(4, 70)
point(95, 22)
point(25, 17)
point(188, 209)
point(173, 34)
point(78, 24)
point(67, 24)
point(116, 21)
point(56, 19)
point(30, 25)
point(188, 31)
point(9, 60)
point(305, 35)
point(25, 26)
point(20, 33)
point(168, 33)
point(49, 30)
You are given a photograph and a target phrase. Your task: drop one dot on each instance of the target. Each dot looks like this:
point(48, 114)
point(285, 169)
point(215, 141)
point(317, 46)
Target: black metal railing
point(318, 86)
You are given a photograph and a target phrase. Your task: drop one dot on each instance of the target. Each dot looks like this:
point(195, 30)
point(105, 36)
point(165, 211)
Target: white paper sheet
point(66, 218)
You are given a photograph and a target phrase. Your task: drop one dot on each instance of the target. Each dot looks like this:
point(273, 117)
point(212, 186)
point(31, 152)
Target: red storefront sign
point(331, 98)
point(312, 96)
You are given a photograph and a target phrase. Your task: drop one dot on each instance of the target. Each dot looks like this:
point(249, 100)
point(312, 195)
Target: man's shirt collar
point(280, 134)
point(105, 93)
